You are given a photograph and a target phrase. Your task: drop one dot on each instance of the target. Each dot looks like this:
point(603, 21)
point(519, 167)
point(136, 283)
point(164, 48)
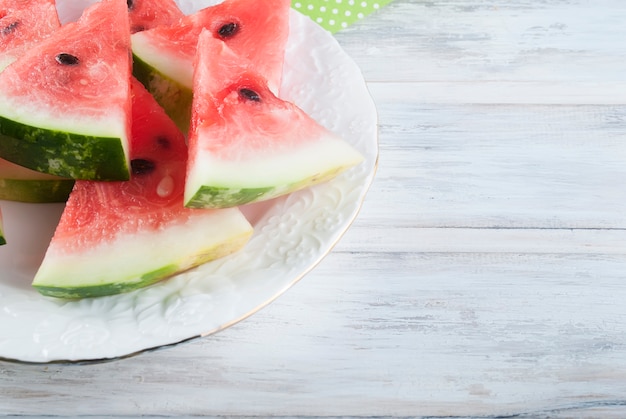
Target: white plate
point(292, 234)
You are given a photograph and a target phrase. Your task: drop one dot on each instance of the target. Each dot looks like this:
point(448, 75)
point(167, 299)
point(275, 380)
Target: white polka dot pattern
point(335, 15)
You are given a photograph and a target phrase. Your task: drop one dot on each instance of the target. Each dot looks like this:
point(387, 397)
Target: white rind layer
point(127, 258)
point(272, 168)
point(111, 123)
point(171, 66)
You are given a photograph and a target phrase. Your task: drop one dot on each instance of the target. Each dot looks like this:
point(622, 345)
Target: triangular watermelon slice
point(119, 236)
point(246, 144)
point(163, 56)
point(148, 14)
point(23, 23)
point(65, 104)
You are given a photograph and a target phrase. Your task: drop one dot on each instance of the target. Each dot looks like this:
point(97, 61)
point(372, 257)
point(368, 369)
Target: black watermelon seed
point(249, 94)
point(228, 30)
point(10, 28)
point(130, 4)
point(163, 142)
point(67, 59)
point(141, 166)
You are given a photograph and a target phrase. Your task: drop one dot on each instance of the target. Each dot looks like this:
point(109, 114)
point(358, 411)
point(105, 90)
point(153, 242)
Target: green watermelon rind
point(35, 191)
point(20, 184)
point(102, 290)
point(225, 197)
point(86, 273)
point(139, 281)
point(221, 183)
point(61, 153)
point(174, 97)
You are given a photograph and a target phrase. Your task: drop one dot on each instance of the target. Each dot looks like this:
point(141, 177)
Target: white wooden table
point(486, 273)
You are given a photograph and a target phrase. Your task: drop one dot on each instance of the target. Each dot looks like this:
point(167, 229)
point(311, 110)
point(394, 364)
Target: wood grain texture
point(487, 40)
point(485, 274)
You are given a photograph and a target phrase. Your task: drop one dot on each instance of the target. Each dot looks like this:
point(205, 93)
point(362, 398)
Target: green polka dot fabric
point(334, 15)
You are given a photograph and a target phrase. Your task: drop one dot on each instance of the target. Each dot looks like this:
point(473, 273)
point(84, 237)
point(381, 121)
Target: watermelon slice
point(18, 183)
point(148, 14)
point(130, 225)
point(163, 56)
point(23, 23)
point(246, 144)
point(64, 104)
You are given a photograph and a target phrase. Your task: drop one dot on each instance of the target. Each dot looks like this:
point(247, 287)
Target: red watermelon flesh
point(148, 14)
point(24, 23)
point(163, 56)
point(41, 79)
point(256, 30)
point(245, 143)
point(150, 199)
point(65, 104)
point(140, 225)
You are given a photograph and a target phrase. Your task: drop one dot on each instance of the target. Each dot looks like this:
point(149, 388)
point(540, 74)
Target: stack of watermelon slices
point(73, 109)
point(24, 23)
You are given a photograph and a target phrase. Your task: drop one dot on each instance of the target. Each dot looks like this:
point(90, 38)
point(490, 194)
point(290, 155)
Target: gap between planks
point(500, 92)
point(371, 238)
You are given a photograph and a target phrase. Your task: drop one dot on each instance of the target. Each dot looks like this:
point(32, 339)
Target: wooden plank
point(380, 334)
point(512, 166)
point(501, 92)
point(457, 40)
point(485, 273)
point(366, 236)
